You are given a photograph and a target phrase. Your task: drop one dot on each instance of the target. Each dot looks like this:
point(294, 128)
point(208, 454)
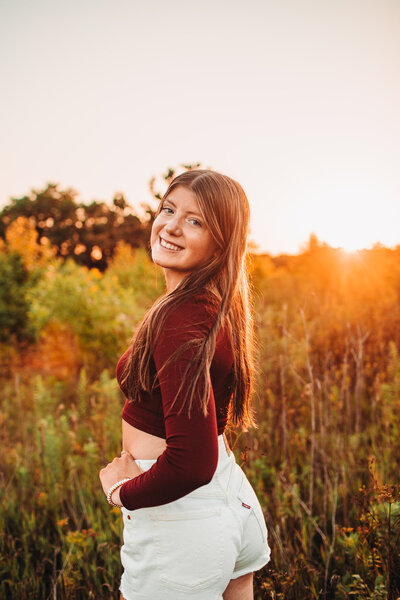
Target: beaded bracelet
point(113, 488)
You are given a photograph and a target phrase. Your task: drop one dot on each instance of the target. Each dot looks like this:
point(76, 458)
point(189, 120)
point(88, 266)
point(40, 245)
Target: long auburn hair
point(225, 209)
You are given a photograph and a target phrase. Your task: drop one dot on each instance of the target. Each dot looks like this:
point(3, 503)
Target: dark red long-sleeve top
point(191, 455)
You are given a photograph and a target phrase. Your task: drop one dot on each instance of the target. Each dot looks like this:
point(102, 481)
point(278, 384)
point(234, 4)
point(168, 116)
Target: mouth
point(168, 245)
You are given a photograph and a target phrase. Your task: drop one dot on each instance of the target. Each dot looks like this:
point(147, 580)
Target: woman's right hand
point(119, 468)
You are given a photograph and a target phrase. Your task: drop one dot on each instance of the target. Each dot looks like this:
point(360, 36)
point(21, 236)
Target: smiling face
point(180, 240)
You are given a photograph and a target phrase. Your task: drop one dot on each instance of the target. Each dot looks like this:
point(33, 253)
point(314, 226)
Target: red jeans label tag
point(245, 505)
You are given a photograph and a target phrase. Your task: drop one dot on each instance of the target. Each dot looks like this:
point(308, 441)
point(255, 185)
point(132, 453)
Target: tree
point(14, 307)
point(88, 233)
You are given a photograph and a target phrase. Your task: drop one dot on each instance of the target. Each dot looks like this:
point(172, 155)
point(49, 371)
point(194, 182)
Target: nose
point(173, 226)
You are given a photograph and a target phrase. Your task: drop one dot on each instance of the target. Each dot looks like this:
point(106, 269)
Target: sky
point(298, 100)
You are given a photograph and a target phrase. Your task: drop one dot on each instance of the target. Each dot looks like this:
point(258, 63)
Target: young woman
point(193, 527)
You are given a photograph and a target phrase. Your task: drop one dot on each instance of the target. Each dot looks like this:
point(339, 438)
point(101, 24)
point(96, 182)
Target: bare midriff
point(140, 444)
point(145, 446)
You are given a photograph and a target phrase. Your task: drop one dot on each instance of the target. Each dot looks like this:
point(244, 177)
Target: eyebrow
point(188, 212)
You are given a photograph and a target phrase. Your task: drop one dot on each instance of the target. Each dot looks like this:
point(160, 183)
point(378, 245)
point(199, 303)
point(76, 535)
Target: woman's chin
point(164, 257)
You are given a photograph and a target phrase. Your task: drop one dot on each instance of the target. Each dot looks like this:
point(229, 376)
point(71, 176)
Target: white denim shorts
point(191, 548)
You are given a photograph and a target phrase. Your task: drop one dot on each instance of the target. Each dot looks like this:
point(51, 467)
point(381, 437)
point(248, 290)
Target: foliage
point(14, 306)
point(88, 233)
point(97, 312)
point(55, 526)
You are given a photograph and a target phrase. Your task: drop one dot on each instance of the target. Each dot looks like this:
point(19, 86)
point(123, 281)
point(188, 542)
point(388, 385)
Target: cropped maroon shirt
point(190, 458)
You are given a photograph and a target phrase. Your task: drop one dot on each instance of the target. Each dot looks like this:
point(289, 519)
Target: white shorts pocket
point(189, 547)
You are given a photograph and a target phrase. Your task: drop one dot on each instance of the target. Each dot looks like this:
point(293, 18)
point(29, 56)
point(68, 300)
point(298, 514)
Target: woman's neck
point(172, 279)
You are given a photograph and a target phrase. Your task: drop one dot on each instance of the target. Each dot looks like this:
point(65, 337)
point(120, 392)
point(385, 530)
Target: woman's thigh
point(240, 588)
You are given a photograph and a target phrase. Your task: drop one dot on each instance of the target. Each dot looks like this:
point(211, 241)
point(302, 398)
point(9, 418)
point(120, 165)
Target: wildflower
point(62, 522)
point(42, 498)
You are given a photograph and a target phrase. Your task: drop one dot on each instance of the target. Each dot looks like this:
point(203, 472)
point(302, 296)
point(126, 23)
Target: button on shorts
point(191, 548)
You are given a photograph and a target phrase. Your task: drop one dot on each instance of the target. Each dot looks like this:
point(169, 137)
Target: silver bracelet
point(113, 488)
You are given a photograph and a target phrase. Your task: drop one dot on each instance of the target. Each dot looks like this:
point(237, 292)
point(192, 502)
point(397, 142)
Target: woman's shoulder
point(203, 302)
point(196, 312)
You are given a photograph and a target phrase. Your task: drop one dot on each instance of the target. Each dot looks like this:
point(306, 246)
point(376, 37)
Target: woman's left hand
point(120, 468)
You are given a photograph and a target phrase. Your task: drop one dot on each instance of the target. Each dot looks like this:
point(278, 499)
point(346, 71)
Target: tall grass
point(59, 538)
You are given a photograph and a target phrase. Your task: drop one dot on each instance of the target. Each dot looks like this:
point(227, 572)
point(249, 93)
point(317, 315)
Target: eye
point(167, 209)
point(195, 222)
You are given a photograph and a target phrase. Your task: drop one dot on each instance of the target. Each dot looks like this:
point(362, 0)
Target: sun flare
point(346, 215)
